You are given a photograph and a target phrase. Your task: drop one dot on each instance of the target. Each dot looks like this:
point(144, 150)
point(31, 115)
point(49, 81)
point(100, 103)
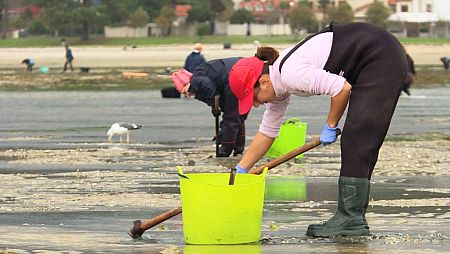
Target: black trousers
point(374, 63)
point(232, 125)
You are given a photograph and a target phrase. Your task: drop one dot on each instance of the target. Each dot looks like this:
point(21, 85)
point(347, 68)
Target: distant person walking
point(69, 58)
point(195, 58)
point(29, 63)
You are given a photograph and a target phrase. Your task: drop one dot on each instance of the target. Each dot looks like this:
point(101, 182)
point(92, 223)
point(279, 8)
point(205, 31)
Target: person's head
point(181, 81)
point(198, 46)
point(250, 81)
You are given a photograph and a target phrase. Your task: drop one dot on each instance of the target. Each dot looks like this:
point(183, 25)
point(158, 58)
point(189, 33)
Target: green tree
point(341, 14)
point(88, 16)
point(117, 12)
point(138, 18)
point(165, 19)
point(153, 7)
point(198, 13)
point(57, 15)
point(301, 17)
point(37, 27)
point(241, 16)
point(69, 16)
point(203, 29)
point(228, 12)
point(378, 14)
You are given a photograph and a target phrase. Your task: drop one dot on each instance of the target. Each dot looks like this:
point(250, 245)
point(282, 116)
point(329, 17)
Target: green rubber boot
point(349, 219)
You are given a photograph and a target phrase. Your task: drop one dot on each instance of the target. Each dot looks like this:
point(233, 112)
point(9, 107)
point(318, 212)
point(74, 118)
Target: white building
point(422, 17)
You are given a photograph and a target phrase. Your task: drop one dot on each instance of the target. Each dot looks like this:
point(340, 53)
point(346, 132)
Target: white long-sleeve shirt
point(302, 74)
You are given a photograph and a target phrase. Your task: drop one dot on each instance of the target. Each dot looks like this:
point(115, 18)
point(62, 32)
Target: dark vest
point(355, 47)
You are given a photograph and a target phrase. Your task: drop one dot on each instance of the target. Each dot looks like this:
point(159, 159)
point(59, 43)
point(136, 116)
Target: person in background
point(29, 63)
point(69, 58)
point(357, 64)
point(409, 75)
point(445, 61)
point(208, 80)
point(195, 58)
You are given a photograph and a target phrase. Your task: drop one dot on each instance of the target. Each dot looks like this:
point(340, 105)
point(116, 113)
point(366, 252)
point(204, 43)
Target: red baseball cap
point(242, 78)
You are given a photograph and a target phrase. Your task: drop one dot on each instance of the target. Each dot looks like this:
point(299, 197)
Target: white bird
point(121, 129)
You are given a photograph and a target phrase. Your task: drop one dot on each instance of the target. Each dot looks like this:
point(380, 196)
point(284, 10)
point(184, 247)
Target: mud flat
point(89, 198)
point(65, 189)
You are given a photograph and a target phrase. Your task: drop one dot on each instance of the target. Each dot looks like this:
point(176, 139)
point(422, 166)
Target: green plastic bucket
point(292, 135)
point(286, 188)
point(217, 213)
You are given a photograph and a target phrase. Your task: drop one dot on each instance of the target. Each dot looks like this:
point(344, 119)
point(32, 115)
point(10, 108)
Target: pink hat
point(242, 78)
point(180, 79)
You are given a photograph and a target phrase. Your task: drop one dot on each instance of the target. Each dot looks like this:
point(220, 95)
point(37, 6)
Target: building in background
point(420, 18)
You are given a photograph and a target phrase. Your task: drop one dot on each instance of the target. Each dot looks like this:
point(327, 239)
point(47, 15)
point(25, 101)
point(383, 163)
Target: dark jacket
point(210, 79)
point(193, 60)
point(69, 55)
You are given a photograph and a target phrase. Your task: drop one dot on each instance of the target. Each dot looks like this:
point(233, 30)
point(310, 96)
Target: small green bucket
point(292, 135)
point(217, 213)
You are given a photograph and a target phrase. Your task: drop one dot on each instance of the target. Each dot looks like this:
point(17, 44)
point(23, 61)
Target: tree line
point(86, 17)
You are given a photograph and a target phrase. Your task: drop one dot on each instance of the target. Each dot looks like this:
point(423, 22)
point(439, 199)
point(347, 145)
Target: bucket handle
point(292, 121)
point(180, 172)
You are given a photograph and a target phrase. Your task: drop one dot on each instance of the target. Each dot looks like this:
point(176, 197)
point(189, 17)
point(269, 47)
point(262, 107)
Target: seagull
point(121, 129)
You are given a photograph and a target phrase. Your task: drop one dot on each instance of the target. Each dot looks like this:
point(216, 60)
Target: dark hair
point(267, 54)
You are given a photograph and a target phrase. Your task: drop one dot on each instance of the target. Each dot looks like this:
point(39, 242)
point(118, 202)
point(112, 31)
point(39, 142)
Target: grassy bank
point(113, 79)
point(75, 41)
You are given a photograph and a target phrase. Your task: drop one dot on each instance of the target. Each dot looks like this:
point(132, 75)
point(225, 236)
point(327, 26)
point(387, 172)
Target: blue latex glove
point(240, 170)
point(328, 135)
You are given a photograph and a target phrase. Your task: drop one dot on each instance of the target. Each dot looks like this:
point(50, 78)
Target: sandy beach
point(164, 56)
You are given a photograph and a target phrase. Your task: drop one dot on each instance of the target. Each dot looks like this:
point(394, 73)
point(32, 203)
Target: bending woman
point(356, 64)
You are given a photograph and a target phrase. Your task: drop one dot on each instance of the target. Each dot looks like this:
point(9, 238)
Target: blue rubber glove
point(240, 170)
point(328, 135)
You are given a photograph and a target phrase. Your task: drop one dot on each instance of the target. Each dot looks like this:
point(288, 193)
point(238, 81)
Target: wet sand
point(64, 189)
point(84, 211)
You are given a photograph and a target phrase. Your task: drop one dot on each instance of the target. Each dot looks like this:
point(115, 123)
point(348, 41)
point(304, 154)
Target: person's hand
point(240, 170)
point(328, 135)
point(215, 112)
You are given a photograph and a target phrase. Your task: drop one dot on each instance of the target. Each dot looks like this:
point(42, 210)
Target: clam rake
point(140, 227)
